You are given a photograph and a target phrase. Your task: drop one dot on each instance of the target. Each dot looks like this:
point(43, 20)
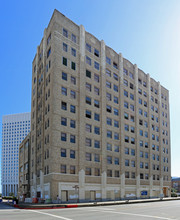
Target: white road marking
point(45, 213)
point(133, 214)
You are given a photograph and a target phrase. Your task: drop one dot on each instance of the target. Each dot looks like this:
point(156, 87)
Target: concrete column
point(121, 116)
point(150, 135)
point(81, 101)
point(151, 186)
point(81, 185)
point(42, 183)
point(160, 138)
point(103, 121)
point(137, 132)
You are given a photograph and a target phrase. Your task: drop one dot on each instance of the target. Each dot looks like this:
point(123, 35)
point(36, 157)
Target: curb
point(62, 206)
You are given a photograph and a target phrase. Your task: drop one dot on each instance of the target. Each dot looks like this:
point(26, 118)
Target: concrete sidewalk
point(90, 204)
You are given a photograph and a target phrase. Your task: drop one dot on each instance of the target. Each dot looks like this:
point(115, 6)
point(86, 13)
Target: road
point(165, 210)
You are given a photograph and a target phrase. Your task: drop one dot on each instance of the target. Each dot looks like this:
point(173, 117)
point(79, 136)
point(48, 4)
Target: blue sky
point(145, 32)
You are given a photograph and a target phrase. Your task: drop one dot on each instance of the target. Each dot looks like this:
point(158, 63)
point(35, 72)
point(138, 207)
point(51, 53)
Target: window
point(132, 152)
point(73, 94)
point(116, 173)
point(64, 105)
point(126, 93)
point(116, 136)
point(73, 65)
point(126, 150)
point(64, 61)
point(132, 163)
point(96, 52)
point(65, 47)
point(126, 115)
point(116, 111)
point(109, 147)
point(140, 101)
point(73, 124)
point(131, 75)
point(108, 60)
point(64, 91)
point(88, 128)
point(63, 168)
point(126, 163)
point(126, 127)
point(88, 100)
point(64, 76)
point(88, 47)
point(88, 73)
point(96, 90)
point(73, 109)
point(140, 91)
point(141, 132)
point(96, 65)
point(116, 148)
point(96, 130)
point(73, 38)
point(72, 154)
point(96, 117)
point(88, 142)
point(88, 157)
point(108, 108)
point(108, 72)
point(88, 114)
point(96, 157)
point(63, 152)
point(109, 121)
point(115, 65)
point(63, 136)
point(63, 121)
point(73, 80)
point(108, 84)
point(73, 52)
point(109, 160)
point(126, 139)
point(115, 88)
point(88, 171)
point(109, 134)
point(96, 103)
point(141, 165)
point(65, 32)
point(126, 105)
point(115, 76)
point(72, 170)
point(72, 138)
point(96, 78)
point(131, 86)
point(116, 161)
point(96, 144)
point(96, 171)
point(132, 140)
point(108, 96)
point(125, 82)
point(125, 71)
point(116, 124)
point(88, 60)
point(132, 107)
point(49, 52)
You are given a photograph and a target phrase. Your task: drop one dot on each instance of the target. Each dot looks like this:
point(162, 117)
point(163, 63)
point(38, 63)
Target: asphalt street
point(166, 210)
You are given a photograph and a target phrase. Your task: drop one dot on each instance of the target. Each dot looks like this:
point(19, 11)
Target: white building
point(14, 129)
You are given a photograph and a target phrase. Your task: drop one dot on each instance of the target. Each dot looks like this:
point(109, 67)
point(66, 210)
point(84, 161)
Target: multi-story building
point(175, 183)
point(14, 129)
point(100, 125)
point(24, 160)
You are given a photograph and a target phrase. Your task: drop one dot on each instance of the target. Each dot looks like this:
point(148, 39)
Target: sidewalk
point(76, 205)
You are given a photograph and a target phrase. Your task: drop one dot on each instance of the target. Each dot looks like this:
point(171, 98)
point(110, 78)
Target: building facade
point(100, 125)
point(14, 129)
point(24, 160)
point(175, 183)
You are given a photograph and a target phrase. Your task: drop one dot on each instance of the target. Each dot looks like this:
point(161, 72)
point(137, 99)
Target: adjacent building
point(175, 183)
point(24, 169)
point(15, 127)
point(100, 125)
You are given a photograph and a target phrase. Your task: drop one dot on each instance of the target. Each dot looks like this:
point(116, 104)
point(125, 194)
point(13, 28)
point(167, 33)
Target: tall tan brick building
point(100, 126)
